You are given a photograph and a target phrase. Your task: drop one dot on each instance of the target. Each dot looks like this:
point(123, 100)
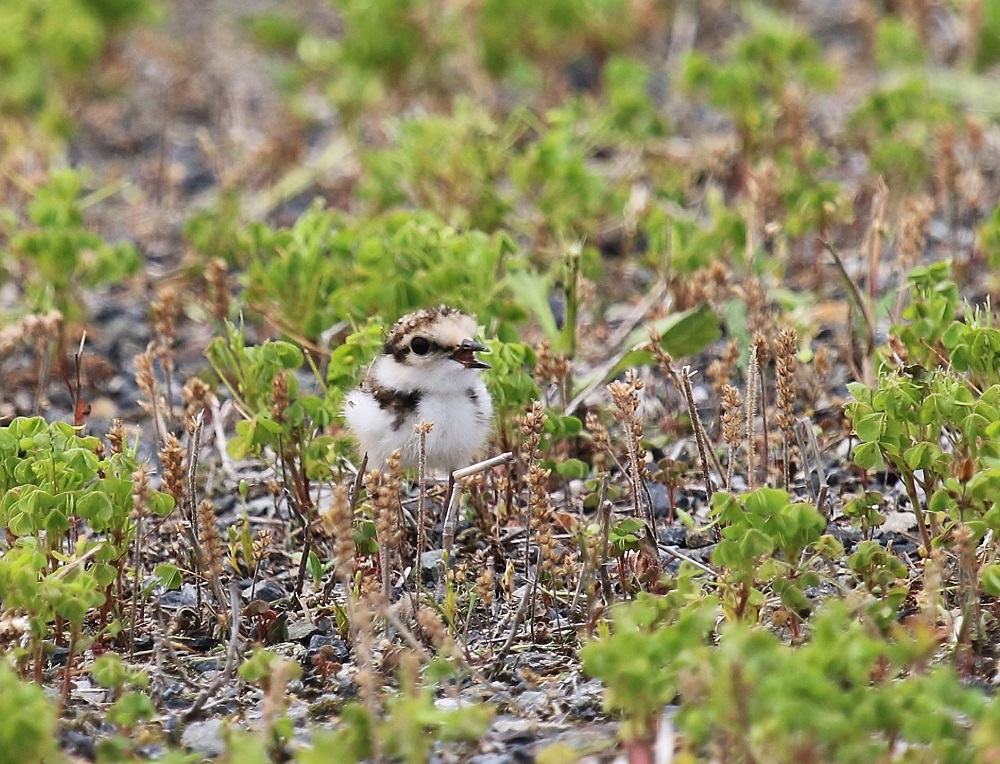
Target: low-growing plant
point(27, 721)
point(768, 543)
point(131, 708)
point(932, 416)
point(405, 42)
point(408, 726)
point(939, 436)
point(631, 109)
point(327, 268)
point(511, 386)
point(751, 80)
point(898, 44)
point(932, 309)
point(988, 238)
point(525, 34)
point(280, 424)
point(643, 655)
point(846, 695)
point(50, 46)
point(451, 165)
point(896, 125)
point(70, 509)
point(555, 174)
point(54, 254)
point(680, 243)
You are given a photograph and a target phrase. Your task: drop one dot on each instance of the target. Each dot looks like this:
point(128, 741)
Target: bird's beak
point(465, 354)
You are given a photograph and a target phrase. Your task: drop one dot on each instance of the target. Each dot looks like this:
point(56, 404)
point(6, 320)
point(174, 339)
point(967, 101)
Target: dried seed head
point(262, 545)
point(338, 522)
point(219, 297)
point(144, 377)
point(195, 395)
point(30, 328)
point(485, 585)
point(974, 132)
point(762, 342)
point(279, 396)
point(625, 396)
point(542, 517)
point(732, 415)
point(945, 162)
point(174, 472)
point(383, 490)
point(663, 360)
point(211, 541)
point(116, 436)
point(550, 368)
point(532, 425)
point(165, 313)
point(785, 363)
point(913, 230)
point(759, 319)
point(140, 491)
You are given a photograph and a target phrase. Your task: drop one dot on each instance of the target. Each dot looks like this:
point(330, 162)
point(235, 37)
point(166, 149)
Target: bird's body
point(427, 372)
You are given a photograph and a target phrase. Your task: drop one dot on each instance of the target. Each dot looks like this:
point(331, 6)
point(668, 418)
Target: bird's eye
point(420, 346)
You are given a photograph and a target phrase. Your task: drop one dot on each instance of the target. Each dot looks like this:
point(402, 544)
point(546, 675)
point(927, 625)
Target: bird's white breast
point(456, 403)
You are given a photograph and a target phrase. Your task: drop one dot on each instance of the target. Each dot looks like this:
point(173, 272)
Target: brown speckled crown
point(440, 326)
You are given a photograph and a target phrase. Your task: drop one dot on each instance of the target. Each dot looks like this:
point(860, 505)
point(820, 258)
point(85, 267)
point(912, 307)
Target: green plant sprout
point(56, 254)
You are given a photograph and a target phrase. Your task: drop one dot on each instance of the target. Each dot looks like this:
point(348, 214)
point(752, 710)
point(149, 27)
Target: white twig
point(451, 511)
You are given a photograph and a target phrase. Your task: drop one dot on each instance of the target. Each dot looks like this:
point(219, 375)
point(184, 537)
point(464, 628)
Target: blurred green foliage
point(48, 44)
point(751, 79)
point(896, 125)
point(55, 254)
point(328, 268)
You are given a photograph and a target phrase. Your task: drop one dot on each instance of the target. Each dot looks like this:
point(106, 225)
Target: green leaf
point(169, 576)
point(682, 334)
point(130, 709)
point(573, 468)
point(291, 356)
point(95, 507)
point(869, 428)
point(530, 291)
point(989, 579)
point(162, 504)
point(869, 456)
point(756, 543)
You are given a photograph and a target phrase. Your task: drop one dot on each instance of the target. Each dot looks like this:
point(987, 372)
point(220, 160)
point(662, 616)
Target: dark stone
point(78, 744)
point(341, 653)
point(673, 535)
point(264, 590)
point(300, 630)
point(197, 181)
point(186, 596)
point(583, 73)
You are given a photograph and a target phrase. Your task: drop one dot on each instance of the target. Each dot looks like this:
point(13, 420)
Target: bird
point(427, 372)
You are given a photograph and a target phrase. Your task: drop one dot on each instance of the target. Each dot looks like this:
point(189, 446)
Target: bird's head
point(433, 346)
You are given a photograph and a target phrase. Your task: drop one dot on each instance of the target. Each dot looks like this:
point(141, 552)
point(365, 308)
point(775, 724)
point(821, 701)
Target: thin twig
point(199, 558)
point(231, 652)
point(653, 298)
point(454, 493)
point(219, 413)
point(526, 598)
point(751, 412)
point(475, 469)
point(700, 437)
point(422, 430)
point(681, 556)
point(859, 300)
